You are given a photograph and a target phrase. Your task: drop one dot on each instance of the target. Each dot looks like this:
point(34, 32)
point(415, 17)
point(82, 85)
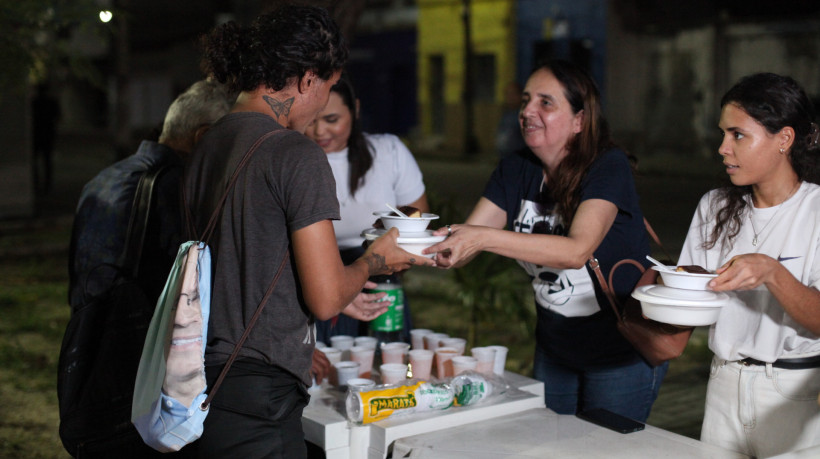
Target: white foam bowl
point(405, 224)
point(411, 242)
point(684, 280)
point(680, 306)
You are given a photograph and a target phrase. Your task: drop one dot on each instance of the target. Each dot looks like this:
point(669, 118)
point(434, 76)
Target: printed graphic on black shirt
point(568, 292)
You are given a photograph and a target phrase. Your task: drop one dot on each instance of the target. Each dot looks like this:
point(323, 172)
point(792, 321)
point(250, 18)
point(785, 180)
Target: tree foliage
point(35, 38)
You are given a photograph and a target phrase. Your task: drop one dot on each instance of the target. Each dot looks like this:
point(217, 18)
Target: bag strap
point(207, 234)
point(131, 254)
point(606, 286)
point(245, 335)
point(655, 237)
point(209, 228)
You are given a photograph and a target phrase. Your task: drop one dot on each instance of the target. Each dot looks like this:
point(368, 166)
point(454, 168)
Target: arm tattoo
point(376, 263)
point(279, 108)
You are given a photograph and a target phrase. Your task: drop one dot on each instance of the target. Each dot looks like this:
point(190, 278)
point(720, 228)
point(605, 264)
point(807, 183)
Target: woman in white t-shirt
point(370, 170)
point(761, 233)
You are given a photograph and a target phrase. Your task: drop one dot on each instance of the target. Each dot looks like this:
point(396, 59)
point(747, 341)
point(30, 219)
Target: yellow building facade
point(441, 69)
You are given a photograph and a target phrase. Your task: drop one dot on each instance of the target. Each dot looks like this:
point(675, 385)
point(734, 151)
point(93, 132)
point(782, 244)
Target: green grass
point(34, 314)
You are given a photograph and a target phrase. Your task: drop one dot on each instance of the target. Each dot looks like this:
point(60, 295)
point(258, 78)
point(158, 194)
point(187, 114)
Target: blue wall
point(587, 26)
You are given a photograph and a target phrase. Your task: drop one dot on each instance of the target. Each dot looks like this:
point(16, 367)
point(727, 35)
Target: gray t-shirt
point(287, 185)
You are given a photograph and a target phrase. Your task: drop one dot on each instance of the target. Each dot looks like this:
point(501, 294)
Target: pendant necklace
point(757, 233)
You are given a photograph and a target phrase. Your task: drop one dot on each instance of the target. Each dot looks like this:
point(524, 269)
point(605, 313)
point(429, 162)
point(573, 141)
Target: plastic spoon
point(397, 211)
point(658, 263)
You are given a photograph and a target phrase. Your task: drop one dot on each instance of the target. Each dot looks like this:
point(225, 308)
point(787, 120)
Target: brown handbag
point(657, 342)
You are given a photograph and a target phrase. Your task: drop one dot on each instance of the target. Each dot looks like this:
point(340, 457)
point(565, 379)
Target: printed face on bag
point(183, 372)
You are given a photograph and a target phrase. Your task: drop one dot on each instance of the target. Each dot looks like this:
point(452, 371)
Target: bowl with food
point(680, 306)
point(414, 222)
point(686, 277)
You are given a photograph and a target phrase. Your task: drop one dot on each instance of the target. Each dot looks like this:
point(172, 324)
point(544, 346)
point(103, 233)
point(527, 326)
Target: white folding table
point(540, 433)
point(326, 426)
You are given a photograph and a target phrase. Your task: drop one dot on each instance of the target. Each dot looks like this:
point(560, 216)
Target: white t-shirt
point(393, 178)
point(754, 324)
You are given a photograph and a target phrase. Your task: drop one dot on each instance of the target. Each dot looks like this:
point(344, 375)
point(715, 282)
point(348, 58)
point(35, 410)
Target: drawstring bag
point(172, 362)
point(170, 403)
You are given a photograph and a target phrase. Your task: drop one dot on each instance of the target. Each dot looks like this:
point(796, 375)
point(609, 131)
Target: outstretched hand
point(384, 256)
point(367, 306)
point(461, 245)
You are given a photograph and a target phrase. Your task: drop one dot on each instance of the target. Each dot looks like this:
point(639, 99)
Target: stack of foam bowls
point(684, 299)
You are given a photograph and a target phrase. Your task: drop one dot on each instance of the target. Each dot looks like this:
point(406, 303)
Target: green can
point(393, 319)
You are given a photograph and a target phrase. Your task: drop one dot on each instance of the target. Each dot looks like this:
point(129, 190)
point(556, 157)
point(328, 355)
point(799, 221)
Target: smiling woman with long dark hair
point(370, 170)
point(569, 197)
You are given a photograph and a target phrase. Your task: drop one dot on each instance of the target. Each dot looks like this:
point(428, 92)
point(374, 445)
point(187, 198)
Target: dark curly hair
point(276, 48)
point(774, 101)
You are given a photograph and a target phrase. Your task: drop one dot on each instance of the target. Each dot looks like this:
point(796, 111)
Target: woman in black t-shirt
point(570, 197)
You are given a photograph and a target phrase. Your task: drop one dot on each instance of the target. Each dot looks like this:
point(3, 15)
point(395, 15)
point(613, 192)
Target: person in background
point(282, 205)
point(568, 197)
point(760, 233)
point(46, 114)
point(104, 209)
point(370, 170)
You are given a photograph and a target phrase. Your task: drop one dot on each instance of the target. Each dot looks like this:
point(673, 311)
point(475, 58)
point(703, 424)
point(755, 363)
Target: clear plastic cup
point(394, 352)
point(500, 359)
point(320, 345)
point(444, 368)
point(342, 343)
point(333, 355)
point(421, 361)
point(431, 341)
point(344, 371)
point(417, 337)
point(393, 373)
point(364, 356)
point(462, 363)
point(485, 359)
point(366, 341)
point(459, 343)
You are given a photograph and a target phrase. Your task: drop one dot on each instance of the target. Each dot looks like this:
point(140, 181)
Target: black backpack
point(101, 350)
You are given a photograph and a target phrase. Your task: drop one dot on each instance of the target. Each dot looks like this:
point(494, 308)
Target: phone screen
point(610, 420)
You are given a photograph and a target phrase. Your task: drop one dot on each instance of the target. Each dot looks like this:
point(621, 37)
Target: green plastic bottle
point(387, 328)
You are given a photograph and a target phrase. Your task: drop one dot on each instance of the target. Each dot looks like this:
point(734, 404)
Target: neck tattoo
point(756, 239)
point(279, 108)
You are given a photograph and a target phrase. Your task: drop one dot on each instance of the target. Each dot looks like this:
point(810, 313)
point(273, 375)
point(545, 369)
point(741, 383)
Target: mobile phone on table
point(610, 420)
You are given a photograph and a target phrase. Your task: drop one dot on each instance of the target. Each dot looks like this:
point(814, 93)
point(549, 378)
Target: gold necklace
point(757, 233)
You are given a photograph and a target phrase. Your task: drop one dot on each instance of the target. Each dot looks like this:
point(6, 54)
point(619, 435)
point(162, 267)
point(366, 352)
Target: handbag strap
point(655, 237)
point(245, 335)
point(131, 254)
point(606, 285)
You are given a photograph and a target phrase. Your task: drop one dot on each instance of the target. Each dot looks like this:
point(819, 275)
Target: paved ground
point(668, 201)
